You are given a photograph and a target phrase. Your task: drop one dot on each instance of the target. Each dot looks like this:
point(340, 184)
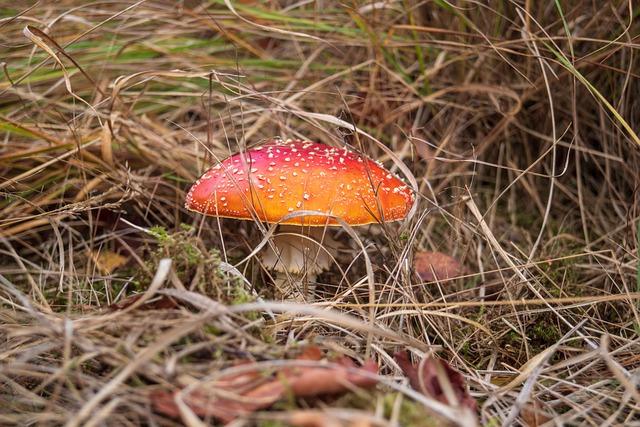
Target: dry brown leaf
point(255, 392)
point(317, 381)
point(425, 378)
point(313, 418)
point(532, 414)
point(310, 353)
point(436, 265)
point(242, 381)
point(108, 261)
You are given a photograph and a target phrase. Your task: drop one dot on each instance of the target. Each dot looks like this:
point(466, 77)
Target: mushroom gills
point(303, 253)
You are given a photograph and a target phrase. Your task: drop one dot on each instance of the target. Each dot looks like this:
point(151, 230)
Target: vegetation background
point(518, 119)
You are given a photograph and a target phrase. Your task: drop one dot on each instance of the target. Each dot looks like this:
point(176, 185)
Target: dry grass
point(517, 120)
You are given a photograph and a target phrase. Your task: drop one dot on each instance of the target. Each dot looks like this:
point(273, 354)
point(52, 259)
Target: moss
point(190, 262)
point(212, 330)
point(526, 219)
point(239, 295)
point(411, 413)
point(466, 349)
point(271, 423)
point(545, 333)
point(161, 234)
point(513, 338)
point(493, 422)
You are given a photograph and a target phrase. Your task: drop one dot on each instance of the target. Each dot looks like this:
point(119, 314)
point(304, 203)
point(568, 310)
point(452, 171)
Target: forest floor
point(517, 121)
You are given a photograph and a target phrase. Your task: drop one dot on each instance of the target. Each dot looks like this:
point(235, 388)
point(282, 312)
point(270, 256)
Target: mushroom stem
point(301, 254)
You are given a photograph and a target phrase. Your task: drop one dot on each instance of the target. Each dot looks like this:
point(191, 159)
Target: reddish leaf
point(311, 352)
point(241, 394)
point(436, 265)
point(312, 418)
point(424, 378)
point(317, 381)
point(242, 381)
point(203, 404)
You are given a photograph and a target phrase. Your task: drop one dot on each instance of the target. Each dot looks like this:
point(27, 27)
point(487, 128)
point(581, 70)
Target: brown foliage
point(237, 395)
point(436, 379)
point(436, 265)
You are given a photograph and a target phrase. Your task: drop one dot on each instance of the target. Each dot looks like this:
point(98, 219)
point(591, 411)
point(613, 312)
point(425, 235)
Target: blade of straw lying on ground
point(333, 316)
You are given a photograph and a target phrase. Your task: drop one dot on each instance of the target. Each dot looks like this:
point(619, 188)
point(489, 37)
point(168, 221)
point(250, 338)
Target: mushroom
point(271, 181)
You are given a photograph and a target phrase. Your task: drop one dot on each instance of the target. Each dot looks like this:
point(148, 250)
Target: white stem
point(300, 254)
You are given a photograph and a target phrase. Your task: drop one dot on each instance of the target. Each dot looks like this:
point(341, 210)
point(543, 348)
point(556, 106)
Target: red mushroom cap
point(280, 177)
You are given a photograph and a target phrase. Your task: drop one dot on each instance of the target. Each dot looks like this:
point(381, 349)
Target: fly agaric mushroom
point(273, 180)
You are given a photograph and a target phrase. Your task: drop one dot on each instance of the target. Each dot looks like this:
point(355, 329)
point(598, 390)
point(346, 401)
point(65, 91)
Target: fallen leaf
point(227, 399)
point(242, 381)
point(313, 418)
point(334, 380)
point(108, 261)
point(311, 352)
point(436, 265)
point(533, 415)
point(435, 378)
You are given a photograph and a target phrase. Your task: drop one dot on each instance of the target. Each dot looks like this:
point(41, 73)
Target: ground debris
point(436, 379)
point(431, 266)
point(239, 394)
point(157, 303)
